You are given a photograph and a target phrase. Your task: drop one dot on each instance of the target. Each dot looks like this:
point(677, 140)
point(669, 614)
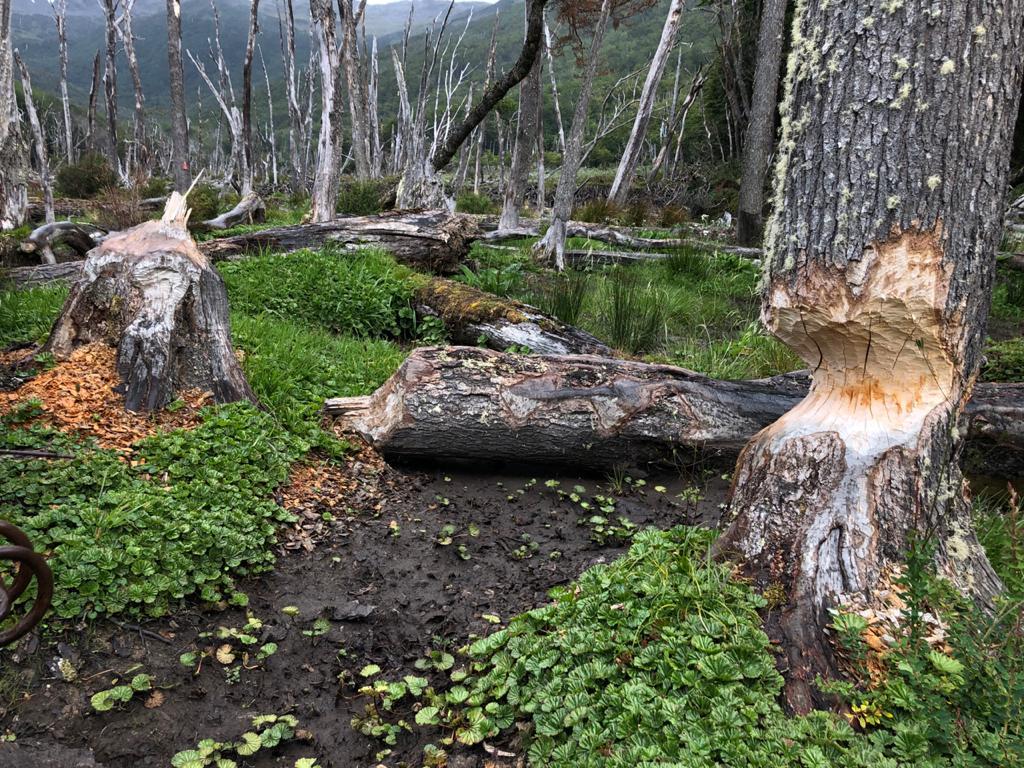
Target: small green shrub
point(204, 200)
point(501, 281)
point(565, 295)
point(636, 213)
point(26, 316)
point(362, 198)
point(1004, 361)
point(118, 209)
point(471, 202)
point(597, 211)
point(155, 186)
point(86, 178)
point(192, 515)
point(363, 294)
point(633, 311)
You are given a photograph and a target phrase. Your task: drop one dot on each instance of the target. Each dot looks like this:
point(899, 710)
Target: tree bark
point(295, 132)
point(39, 138)
point(631, 155)
point(525, 144)
point(152, 294)
point(552, 247)
point(250, 52)
point(110, 83)
point(327, 177)
point(139, 153)
point(880, 262)
point(13, 155)
point(94, 88)
point(60, 8)
point(466, 403)
point(757, 146)
point(357, 98)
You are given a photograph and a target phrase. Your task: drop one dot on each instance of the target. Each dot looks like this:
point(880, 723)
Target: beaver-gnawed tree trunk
point(152, 294)
point(898, 122)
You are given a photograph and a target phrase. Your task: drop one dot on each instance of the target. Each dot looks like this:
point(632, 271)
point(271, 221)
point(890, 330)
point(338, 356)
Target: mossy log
point(150, 293)
point(472, 316)
point(462, 403)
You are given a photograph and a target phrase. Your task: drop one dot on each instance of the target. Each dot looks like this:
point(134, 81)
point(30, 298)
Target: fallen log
point(472, 316)
point(431, 241)
point(579, 410)
point(81, 238)
point(249, 210)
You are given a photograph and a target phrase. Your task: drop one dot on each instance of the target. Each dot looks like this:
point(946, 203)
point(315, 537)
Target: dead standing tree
point(327, 175)
point(138, 157)
point(631, 155)
point(39, 139)
point(13, 155)
point(110, 83)
point(757, 145)
point(880, 261)
point(179, 117)
point(60, 8)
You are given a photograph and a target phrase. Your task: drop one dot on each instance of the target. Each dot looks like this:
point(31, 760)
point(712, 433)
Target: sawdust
point(79, 396)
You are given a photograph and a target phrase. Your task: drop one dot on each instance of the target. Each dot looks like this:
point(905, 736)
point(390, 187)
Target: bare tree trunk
point(110, 83)
point(286, 27)
point(631, 156)
point(271, 132)
point(480, 129)
point(496, 92)
point(13, 156)
point(94, 89)
point(326, 180)
point(358, 108)
point(39, 137)
point(552, 247)
point(60, 8)
point(139, 151)
point(554, 88)
point(525, 145)
point(757, 147)
point(250, 52)
point(889, 198)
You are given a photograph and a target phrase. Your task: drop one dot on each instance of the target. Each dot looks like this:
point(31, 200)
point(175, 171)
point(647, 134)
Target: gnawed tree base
point(432, 241)
point(472, 316)
point(150, 293)
point(477, 405)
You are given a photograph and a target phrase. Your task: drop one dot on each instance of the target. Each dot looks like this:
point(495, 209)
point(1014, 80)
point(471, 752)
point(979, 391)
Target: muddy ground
point(388, 590)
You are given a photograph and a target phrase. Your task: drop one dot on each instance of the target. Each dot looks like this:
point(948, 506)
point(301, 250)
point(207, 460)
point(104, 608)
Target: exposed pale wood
point(39, 138)
point(150, 293)
point(250, 209)
point(464, 403)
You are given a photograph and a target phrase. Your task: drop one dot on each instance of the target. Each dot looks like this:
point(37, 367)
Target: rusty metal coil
point(31, 565)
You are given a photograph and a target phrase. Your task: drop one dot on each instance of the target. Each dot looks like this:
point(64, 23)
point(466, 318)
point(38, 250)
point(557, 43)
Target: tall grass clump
point(633, 313)
point(565, 295)
point(363, 294)
point(690, 261)
point(359, 197)
point(27, 315)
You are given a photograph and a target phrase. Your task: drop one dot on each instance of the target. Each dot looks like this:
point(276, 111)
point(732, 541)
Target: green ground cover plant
point(26, 316)
point(188, 515)
point(659, 659)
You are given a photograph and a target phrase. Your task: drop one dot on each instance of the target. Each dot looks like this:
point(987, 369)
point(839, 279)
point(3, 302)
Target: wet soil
point(388, 590)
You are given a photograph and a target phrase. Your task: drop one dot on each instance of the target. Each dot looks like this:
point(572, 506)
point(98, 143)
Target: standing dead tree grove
point(880, 262)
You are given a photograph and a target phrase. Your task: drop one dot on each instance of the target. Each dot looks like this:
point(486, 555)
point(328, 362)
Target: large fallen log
point(472, 316)
point(431, 241)
point(478, 405)
point(250, 209)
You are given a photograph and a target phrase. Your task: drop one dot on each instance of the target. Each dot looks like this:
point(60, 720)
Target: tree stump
point(150, 292)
